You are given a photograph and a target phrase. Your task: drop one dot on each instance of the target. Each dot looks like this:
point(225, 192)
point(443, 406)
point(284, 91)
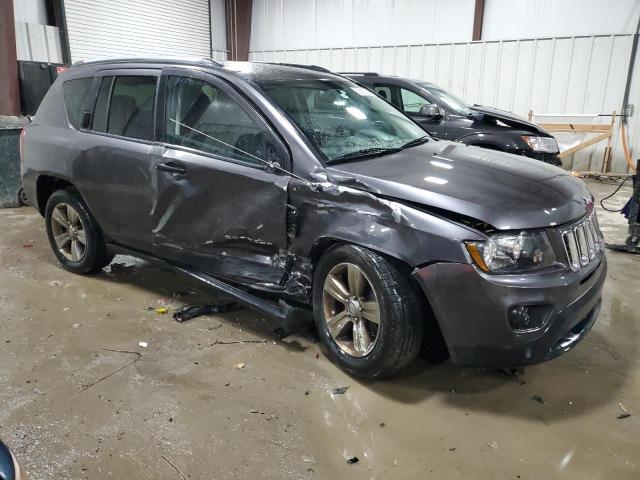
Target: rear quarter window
point(75, 95)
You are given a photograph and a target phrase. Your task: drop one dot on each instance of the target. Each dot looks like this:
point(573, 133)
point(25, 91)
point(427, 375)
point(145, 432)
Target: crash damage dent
point(269, 239)
point(220, 224)
point(326, 213)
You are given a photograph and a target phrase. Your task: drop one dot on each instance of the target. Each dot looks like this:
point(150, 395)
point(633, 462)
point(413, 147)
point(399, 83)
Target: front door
point(217, 205)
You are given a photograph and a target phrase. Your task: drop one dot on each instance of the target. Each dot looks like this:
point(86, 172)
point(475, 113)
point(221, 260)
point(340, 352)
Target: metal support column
point(9, 87)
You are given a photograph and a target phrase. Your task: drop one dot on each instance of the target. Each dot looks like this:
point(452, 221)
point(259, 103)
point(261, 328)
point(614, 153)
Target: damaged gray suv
point(289, 186)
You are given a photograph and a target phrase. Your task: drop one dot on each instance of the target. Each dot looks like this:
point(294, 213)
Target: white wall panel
point(218, 27)
point(22, 42)
point(35, 40)
point(577, 75)
point(38, 43)
point(288, 24)
point(295, 24)
point(30, 11)
point(515, 19)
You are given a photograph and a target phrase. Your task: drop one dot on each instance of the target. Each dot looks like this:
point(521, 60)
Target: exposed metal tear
point(257, 241)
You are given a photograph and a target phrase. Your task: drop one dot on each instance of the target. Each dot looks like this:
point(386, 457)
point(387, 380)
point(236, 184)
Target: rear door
point(115, 172)
point(216, 204)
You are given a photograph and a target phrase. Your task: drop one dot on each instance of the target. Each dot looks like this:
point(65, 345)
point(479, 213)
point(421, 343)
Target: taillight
point(22, 134)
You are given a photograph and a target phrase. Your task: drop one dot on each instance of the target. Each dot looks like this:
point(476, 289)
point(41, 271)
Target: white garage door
point(124, 28)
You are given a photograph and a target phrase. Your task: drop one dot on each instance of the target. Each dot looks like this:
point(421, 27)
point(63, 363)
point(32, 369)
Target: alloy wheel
point(351, 309)
point(68, 232)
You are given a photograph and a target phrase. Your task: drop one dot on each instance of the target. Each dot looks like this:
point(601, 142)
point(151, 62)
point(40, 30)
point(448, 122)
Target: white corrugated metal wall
point(509, 19)
point(218, 30)
point(35, 40)
point(297, 24)
point(293, 24)
point(559, 75)
point(111, 28)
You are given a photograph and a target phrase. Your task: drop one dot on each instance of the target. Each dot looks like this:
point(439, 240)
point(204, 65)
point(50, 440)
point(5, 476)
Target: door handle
point(171, 168)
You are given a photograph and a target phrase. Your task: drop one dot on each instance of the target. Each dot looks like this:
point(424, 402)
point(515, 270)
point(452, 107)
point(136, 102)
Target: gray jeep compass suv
point(290, 187)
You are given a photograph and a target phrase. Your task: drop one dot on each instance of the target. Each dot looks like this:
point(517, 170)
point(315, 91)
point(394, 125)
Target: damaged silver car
point(291, 187)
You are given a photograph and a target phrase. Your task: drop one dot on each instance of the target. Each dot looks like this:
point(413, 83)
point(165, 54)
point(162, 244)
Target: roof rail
point(364, 74)
point(297, 65)
point(181, 61)
point(213, 62)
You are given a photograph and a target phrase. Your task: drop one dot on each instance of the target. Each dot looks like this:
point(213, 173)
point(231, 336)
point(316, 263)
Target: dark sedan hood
point(503, 190)
point(511, 119)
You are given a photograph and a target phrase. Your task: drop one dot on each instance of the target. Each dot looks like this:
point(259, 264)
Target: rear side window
point(131, 109)
point(75, 98)
point(384, 92)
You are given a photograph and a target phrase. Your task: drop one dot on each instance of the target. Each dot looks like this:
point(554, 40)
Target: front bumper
point(551, 158)
point(472, 308)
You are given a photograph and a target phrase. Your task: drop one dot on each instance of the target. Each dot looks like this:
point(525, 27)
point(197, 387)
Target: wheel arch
point(46, 185)
point(325, 243)
point(434, 346)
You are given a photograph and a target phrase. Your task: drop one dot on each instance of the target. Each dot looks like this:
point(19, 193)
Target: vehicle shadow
point(581, 380)
point(175, 289)
point(587, 377)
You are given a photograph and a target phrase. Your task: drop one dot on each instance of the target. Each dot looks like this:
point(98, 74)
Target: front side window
point(406, 100)
point(412, 102)
point(341, 119)
point(131, 109)
point(75, 97)
point(204, 117)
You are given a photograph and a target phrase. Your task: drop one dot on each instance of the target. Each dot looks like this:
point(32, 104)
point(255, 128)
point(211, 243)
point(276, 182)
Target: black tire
point(22, 198)
point(96, 255)
point(401, 323)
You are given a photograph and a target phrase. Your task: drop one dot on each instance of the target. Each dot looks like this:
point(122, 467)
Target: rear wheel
point(74, 235)
point(367, 311)
point(23, 200)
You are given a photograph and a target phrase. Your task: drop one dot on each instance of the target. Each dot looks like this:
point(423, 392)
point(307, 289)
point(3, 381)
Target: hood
point(503, 190)
point(509, 118)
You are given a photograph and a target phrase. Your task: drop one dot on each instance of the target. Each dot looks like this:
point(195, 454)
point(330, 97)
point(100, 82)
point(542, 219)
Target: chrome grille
point(582, 241)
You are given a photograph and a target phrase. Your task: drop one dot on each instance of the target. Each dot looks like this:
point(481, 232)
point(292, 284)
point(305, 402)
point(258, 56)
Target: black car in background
point(445, 116)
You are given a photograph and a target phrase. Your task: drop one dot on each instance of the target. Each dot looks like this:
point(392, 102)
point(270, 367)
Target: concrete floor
point(81, 399)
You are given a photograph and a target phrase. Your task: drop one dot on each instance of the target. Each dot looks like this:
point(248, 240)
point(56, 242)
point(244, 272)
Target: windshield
point(456, 104)
point(342, 119)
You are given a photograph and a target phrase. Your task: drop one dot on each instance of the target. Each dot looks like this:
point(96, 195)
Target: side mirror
point(85, 121)
point(430, 110)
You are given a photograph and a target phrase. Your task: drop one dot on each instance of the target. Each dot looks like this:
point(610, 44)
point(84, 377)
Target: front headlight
point(541, 144)
point(512, 253)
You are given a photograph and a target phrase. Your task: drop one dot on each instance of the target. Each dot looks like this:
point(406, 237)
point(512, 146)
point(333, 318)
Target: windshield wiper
point(417, 141)
point(367, 152)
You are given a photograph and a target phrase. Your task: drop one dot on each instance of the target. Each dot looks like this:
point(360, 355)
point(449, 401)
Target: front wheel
point(368, 313)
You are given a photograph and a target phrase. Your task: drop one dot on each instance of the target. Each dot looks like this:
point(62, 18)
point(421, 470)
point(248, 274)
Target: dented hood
point(503, 190)
point(511, 119)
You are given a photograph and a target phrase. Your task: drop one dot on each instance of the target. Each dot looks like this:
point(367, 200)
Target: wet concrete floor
point(81, 399)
